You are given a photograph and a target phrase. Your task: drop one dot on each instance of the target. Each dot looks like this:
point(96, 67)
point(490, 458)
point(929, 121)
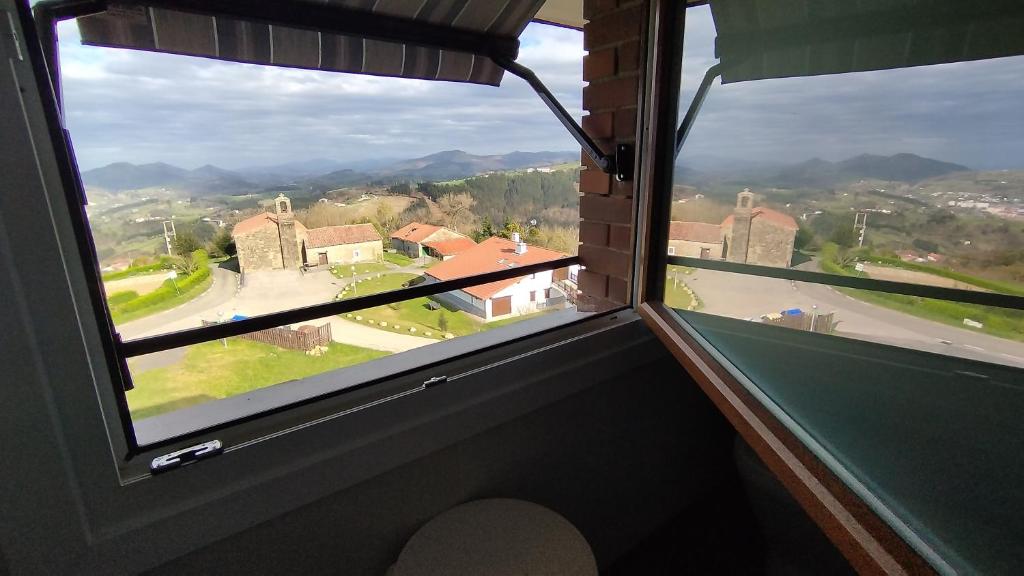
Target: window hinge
point(435, 381)
point(186, 456)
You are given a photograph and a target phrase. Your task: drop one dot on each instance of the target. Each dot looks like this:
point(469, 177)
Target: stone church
point(276, 241)
point(751, 235)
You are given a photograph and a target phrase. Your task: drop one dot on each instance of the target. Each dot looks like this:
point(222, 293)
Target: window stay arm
point(619, 164)
point(694, 109)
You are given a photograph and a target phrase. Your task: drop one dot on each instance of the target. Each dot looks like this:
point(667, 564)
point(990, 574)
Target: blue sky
point(140, 107)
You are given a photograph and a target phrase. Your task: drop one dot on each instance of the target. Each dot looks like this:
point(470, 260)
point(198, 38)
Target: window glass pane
point(910, 175)
point(823, 156)
point(219, 189)
point(183, 389)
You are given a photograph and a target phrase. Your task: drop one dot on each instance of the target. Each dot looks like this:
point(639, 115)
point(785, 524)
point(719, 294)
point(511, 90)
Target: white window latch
point(185, 456)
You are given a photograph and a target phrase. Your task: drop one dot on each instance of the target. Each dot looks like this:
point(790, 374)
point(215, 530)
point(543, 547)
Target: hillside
point(316, 175)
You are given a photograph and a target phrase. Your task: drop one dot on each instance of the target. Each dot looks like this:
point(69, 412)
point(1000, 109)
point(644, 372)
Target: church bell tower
point(286, 228)
point(741, 217)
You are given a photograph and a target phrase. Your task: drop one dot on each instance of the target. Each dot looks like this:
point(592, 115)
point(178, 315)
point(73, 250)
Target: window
point(671, 250)
point(220, 233)
point(849, 207)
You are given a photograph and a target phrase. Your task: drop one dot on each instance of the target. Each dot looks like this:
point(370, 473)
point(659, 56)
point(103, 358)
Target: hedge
point(167, 290)
point(118, 298)
point(993, 285)
point(163, 264)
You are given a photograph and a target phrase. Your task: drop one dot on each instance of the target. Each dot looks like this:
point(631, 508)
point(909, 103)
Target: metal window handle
point(186, 455)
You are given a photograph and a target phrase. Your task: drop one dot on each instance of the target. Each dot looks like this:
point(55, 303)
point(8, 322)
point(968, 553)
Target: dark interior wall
point(618, 460)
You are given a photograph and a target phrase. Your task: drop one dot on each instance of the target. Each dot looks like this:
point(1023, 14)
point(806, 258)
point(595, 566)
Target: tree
point(844, 236)
point(385, 221)
point(185, 243)
point(804, 238)
point(442, 322)
point(926, 245)
point(486, 230)
point(223, 244)
point(456, 208)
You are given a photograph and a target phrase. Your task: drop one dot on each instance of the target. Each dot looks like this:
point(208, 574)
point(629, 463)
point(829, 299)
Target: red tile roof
point(490, 255)
point(335, 235)
point(773, 216)
point(451, 246)
point(695, 232)
point(259, 221)
point(415, 232)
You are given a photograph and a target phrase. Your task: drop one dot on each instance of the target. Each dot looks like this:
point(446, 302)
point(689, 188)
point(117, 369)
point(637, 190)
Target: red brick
point(599, 125)
point(612, 27)
point(625, 124)
point(593, 8)
point(594, 233)
point(595, 182)
point(615, 93)
point(628, 57)
point(599, 64)
point(618, 290)
point(593, 284)
point(605, 261)
point(610, 209)
point(619, 237)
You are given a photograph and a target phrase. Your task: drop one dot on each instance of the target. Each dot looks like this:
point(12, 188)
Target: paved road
point(744, 297)
point(263, 293)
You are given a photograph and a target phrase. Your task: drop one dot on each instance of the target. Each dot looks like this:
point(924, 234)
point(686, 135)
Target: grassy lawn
point(345, 270)
point(512, 320)
point(417, 314)
point(209, 371)
point(121, 317)
point(398, 259)
point(676, 295)
point(385, 283)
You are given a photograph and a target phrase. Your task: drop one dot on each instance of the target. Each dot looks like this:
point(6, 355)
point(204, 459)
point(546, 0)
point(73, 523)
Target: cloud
point(967, 112)
point(133, 106)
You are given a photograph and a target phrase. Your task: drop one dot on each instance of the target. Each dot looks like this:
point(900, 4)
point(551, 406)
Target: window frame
point(118, 351)
point(66, 472)
point(844, 510)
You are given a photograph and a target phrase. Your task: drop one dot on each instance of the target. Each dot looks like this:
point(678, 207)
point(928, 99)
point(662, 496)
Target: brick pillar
point(612, 37)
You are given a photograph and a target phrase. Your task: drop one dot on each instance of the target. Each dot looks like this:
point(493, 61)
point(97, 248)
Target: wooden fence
point(305, 338)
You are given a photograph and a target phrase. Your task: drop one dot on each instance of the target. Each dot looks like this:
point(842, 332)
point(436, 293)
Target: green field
point(416, 313)
point(118, 302)
point(385, 283)
point(209, 371)
point(397, 259)
point(345, 270)
point(675, 283)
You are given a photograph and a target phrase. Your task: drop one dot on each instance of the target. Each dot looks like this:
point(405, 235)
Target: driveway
point(745, 297)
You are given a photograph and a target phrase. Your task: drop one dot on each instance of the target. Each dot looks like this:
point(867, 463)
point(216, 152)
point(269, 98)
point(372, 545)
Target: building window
point(671, 250)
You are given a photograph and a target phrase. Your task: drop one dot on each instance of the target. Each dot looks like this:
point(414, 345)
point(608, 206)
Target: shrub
point(167, 290)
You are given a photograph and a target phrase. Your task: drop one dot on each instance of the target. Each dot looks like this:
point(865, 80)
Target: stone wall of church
point(259, 249)
point(769, 244)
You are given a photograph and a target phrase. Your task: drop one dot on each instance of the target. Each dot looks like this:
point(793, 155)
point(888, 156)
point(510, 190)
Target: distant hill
point(898, 167)
point(316, 175)
point(125, 176)
point(452, 164)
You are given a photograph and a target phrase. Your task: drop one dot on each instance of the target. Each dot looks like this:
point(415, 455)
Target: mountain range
point(315, 175)
point(818, 173)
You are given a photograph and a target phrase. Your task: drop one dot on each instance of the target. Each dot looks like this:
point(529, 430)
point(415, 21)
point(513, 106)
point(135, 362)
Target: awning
point(397, 38)
point(759, 39)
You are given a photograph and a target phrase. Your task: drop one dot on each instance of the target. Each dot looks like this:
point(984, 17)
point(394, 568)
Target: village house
point(280, 242)
point(505, 298)
point(416, 240)
point(749, 235)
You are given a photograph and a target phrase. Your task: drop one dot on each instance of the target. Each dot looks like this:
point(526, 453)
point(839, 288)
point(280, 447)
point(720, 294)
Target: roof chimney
point(515, 237)
point(520, 247)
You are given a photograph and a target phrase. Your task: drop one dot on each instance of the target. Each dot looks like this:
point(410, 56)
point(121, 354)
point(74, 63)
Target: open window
point(832, 232)
point(396, 288)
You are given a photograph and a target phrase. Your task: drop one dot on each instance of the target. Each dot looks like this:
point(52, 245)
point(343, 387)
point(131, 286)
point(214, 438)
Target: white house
point(505, 298)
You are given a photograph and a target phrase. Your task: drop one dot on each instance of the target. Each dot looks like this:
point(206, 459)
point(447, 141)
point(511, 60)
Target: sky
point(141, 107)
